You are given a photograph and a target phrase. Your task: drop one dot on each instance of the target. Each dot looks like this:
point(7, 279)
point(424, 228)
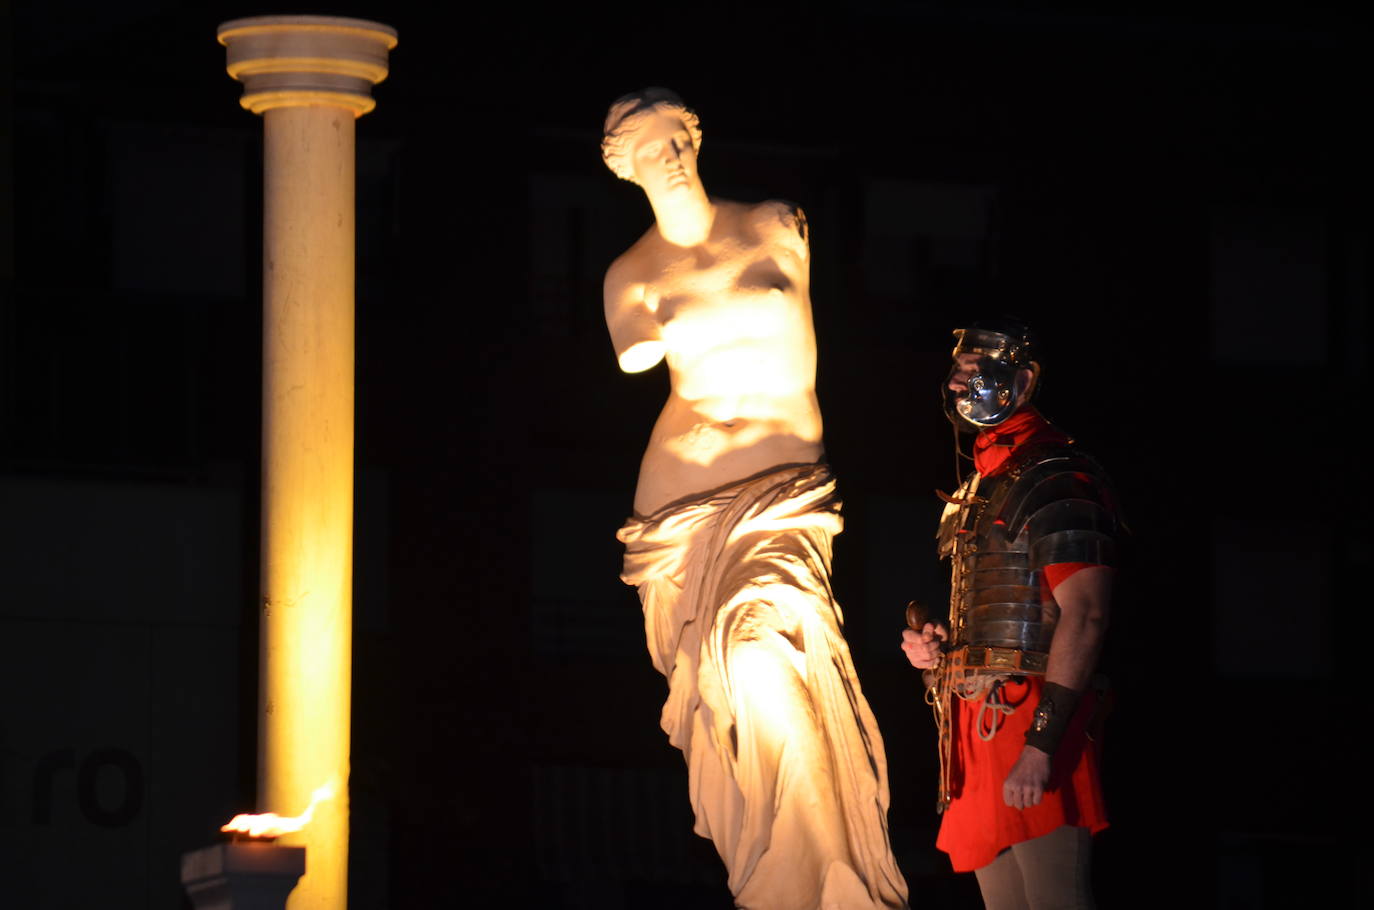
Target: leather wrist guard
point(1051, 718)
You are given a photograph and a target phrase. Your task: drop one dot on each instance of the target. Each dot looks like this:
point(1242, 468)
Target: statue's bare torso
point(732, 317)
point(784, 759)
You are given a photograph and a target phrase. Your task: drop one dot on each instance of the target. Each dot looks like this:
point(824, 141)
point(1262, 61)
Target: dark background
point(1179, 200)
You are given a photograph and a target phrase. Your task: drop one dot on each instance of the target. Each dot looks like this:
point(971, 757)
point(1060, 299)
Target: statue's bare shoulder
point(629, 266)
point(618, 276)
point(782, 222)
point(628, 275)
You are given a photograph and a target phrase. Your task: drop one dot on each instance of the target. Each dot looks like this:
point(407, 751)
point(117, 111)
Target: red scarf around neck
point(995, 445)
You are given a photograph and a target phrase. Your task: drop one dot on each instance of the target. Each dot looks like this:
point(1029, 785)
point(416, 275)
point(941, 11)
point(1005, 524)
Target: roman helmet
point(995, 389)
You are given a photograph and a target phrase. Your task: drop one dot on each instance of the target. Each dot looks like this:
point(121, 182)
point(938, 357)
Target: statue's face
point(665, 160)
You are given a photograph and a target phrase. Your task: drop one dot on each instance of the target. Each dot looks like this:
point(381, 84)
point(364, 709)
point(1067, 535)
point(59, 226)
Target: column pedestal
point(241, 876)
point(310, 77)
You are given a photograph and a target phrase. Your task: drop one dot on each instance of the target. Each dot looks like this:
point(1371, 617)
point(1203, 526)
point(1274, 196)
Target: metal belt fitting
point(1013, 661)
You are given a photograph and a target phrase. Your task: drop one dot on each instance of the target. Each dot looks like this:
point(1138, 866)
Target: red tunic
point(978, 825)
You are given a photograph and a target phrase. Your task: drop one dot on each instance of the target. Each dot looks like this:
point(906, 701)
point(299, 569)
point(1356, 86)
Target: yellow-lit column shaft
point(310, 77)
point(307, 493)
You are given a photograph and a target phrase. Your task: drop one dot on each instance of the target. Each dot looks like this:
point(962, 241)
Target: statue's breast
point(733, 297)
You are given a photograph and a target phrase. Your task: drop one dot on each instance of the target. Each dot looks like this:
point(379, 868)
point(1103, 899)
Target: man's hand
point(1025, 784)
point(923, 648)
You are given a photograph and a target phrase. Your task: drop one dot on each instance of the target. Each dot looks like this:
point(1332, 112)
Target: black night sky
point(1176, 196)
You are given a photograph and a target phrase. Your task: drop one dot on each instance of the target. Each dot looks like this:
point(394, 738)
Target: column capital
point(307, 61)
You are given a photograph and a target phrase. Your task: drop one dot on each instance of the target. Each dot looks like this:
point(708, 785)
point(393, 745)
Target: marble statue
point(730, 544)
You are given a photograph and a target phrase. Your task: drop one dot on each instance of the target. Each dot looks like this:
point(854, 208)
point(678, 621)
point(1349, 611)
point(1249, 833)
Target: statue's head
point(633, 113)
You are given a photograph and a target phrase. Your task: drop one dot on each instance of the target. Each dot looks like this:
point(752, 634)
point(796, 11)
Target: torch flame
point(270, 824)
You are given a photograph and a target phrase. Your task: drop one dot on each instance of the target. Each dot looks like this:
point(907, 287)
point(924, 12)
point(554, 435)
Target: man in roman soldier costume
point(1031, 536)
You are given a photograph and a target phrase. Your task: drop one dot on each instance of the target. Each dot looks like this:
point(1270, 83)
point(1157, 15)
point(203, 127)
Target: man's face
point(665, 160)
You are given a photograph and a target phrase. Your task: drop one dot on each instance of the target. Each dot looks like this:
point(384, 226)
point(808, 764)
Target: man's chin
point(963, 427)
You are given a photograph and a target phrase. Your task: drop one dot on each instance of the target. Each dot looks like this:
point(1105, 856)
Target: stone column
point(310, 77)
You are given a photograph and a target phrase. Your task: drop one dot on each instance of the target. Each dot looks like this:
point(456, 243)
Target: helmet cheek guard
point(990, 397)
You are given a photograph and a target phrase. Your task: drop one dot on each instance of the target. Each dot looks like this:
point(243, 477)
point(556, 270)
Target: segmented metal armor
point(1051, 504)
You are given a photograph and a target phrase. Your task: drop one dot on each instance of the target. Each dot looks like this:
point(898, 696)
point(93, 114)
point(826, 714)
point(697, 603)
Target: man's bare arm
point(1084, 602)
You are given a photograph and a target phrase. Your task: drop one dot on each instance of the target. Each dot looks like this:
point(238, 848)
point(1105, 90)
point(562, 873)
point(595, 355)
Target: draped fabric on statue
point(786, 766)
